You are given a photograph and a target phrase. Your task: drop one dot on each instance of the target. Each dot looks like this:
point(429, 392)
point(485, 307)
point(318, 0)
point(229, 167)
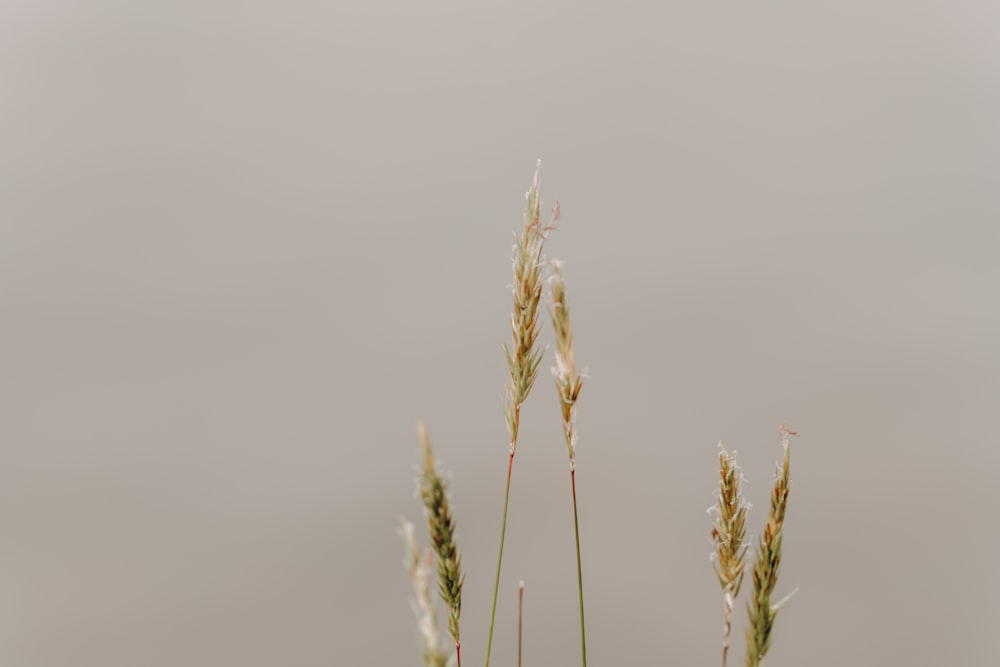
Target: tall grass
point(523, 356)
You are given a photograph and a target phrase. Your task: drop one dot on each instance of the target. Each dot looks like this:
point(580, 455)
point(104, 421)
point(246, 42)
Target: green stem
point(579, 567)
point(503, 532)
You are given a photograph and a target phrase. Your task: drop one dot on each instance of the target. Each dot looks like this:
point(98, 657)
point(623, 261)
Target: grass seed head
point(523, 355)
point(568, 381)
point(434, 493)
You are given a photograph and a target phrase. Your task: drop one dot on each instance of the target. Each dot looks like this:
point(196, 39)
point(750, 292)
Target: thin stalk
point(726, 630)
point(579, 569)
point(520, 620)
point(503, 532)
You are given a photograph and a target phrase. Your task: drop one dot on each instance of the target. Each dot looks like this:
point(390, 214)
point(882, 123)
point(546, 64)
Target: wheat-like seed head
point(522, 355)
point(729, 525)
point(434, 493)
point(568, 382)
point(761, 609)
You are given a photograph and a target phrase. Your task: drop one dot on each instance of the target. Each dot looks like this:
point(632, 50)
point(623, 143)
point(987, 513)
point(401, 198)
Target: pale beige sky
point(245, 246)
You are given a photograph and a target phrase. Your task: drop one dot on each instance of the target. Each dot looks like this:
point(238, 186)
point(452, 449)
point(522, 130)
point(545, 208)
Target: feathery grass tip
point(522, 354)
point(568, 381)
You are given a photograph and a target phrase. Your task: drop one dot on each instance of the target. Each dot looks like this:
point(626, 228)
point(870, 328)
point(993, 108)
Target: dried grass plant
point(419, 570)
point(523, 356)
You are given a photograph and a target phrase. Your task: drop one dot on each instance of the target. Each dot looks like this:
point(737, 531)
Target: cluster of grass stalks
point(524, 357)
point(730, 554)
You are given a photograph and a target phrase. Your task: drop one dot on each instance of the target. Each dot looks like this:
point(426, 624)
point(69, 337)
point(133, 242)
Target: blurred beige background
point(244, 246)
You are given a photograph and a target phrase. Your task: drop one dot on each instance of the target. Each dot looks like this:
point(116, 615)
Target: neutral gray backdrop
point(244, 246)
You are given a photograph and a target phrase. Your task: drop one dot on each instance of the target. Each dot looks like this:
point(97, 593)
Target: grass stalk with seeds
point(568, 385)
point(728, 534)
point(419, 571)
point(761, 609)
point(523, 355)
point(434, 493)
